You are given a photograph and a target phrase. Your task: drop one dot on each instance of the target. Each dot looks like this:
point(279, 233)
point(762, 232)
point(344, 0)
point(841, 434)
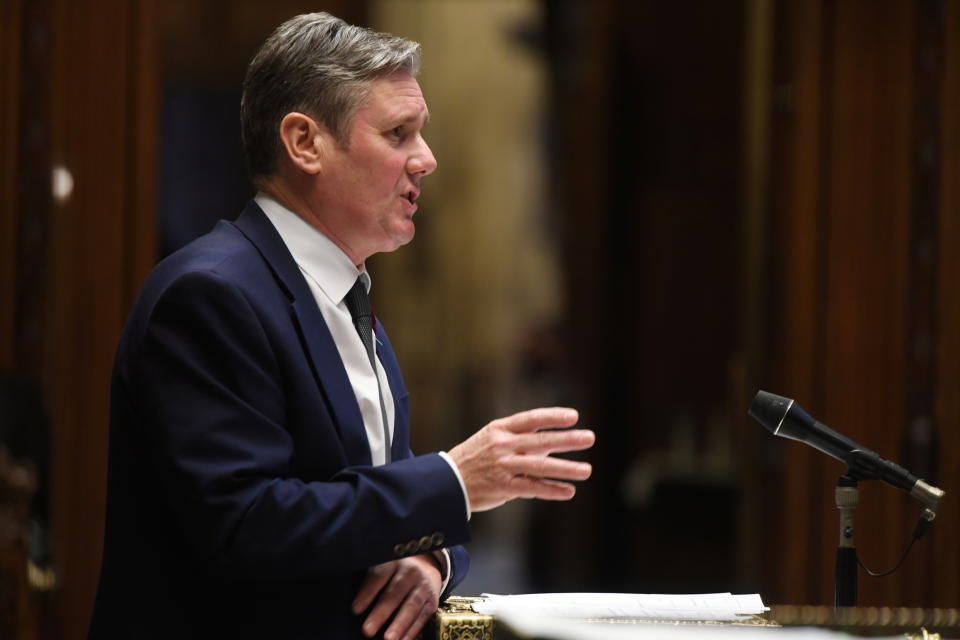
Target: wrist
point(449, 458)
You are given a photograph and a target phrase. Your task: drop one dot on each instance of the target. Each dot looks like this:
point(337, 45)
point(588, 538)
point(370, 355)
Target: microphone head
point(785, 418)
point(769, 410)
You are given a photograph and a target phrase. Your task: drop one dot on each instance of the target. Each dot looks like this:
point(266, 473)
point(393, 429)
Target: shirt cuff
point(446, 567)
point(463, 487)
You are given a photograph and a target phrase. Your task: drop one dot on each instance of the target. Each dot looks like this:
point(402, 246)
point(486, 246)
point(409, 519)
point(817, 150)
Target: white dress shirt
point(330, 274)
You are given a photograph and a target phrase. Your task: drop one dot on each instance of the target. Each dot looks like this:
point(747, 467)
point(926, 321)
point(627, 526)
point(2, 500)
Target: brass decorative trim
point(456, 620)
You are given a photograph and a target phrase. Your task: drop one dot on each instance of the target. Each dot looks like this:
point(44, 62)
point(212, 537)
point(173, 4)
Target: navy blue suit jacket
point(241, 497)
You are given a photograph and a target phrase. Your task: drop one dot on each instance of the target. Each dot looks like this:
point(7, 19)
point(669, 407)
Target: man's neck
point(290, 198)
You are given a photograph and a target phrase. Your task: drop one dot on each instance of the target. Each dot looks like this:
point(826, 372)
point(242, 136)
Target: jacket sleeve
point(205, 390)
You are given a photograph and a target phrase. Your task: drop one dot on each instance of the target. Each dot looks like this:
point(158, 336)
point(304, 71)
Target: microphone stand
point(783, 417)
point(845, 585)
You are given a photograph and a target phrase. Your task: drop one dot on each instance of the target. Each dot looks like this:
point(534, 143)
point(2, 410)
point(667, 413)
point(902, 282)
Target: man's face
point(371, 186)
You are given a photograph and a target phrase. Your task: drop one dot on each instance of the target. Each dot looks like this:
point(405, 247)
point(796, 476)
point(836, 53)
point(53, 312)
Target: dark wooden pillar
point(646, 170)
point(10, 44)
point(943, 552)
point(100, 243)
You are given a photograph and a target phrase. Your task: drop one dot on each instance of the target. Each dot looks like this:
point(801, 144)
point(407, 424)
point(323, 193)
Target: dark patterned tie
point(359, 305)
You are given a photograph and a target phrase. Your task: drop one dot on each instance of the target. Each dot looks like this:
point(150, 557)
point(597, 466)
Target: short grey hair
point(319, 65)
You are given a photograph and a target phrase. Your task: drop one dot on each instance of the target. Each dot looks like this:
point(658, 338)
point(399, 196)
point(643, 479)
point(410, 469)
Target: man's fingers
point(544, 418)
point(547, 467)
point(554, 441)
point(373, 583)
point(491, 461)
point(542, 489)
point(387, 603)
point(413, 585)
point(410, 619)
point(426, 611)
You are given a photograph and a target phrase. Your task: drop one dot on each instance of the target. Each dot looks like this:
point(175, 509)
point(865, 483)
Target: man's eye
point(396, 131)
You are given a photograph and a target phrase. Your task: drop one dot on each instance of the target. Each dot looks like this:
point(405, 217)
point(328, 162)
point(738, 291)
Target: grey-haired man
point(261, 481)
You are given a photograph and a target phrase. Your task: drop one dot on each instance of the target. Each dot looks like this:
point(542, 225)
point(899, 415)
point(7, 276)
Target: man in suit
point(261, 481)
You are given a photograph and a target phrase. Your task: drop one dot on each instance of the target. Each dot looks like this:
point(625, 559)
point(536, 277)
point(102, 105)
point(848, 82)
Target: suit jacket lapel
point(314, 334)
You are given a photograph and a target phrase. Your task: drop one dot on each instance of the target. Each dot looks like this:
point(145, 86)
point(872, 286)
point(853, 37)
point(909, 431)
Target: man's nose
point(422, 162)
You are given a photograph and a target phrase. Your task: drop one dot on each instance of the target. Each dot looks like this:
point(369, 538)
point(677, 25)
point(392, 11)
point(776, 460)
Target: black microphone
point(784, 417)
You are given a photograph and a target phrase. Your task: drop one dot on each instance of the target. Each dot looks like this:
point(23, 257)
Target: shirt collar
point(316, 254)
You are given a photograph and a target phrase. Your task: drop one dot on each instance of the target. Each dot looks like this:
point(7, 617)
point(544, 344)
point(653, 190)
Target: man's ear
point(304, 141)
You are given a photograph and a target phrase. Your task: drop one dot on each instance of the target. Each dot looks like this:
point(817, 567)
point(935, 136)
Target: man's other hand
point(509, 458)
point(408, 589)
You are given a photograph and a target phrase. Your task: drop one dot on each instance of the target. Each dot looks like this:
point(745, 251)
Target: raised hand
point(509, 458)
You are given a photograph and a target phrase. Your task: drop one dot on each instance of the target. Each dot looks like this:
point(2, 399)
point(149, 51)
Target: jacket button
point(411, 547)
point(425, 543)
point(436, 539)
point(398, 550)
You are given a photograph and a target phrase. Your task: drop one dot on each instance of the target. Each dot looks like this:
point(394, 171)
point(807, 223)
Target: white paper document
point(648, 606)
point(544, 628)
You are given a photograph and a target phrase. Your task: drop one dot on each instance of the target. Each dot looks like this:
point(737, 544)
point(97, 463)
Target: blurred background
point(646, 209)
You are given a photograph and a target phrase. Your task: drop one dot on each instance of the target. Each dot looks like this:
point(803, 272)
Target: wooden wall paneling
point(851, 294)
point(10, 26)
point(140, 242)
point(919, 427)
point(868, 260)
point(795, 333)
point(943, 567)
point(868, 201)
point(747, 438)
point(95, 138)
point(674, 217)
point(33, 188)
point(856, 298)
point(26, 198)
point(578, 41)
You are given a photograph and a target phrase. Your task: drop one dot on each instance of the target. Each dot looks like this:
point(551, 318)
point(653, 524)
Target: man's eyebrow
point(413, 117)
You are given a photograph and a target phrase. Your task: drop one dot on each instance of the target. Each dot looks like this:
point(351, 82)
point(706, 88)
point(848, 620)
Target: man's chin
point(407, 239)
point(400, 238)
point(404, 233)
